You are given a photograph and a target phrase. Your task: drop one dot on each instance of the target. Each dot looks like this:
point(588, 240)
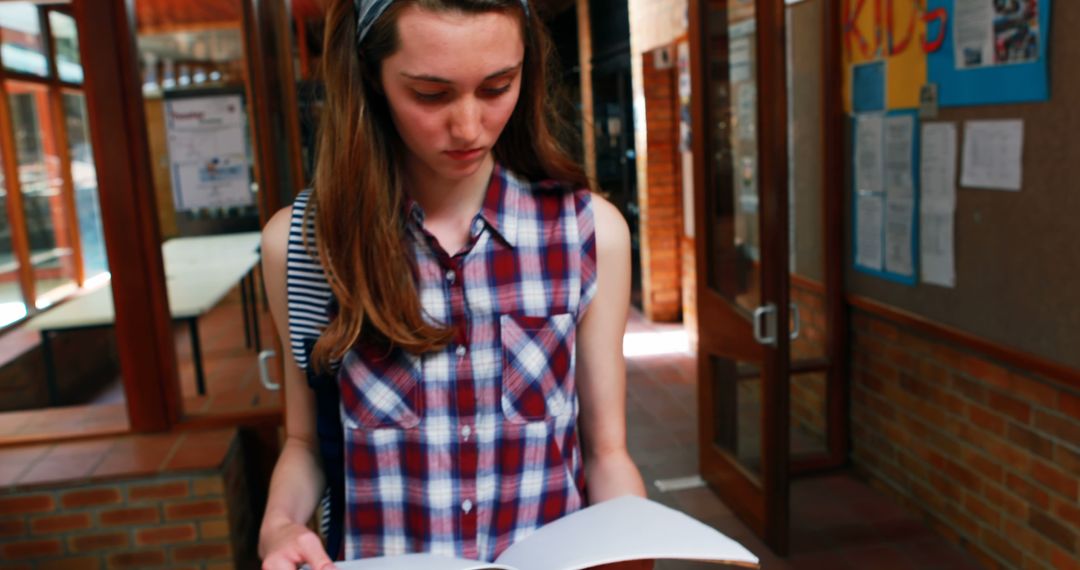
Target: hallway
point(838, 522)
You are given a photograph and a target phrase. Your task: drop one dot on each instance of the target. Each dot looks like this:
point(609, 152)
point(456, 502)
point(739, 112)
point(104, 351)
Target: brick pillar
point(661, 195)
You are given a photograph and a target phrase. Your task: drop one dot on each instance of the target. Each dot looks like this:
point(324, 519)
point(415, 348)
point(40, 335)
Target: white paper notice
point(938, 204)
point(869, 165)
point(208, 152)
point(899, 231)
point(936, 235)
point(993, 154)
point(869, 216)
point(899, 141)
point(938, 161)
point(973, 33)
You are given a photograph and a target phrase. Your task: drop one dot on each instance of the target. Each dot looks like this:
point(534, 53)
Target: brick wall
point(660, 198)
point(990, 455)
point(197, 520)
point(808, 390)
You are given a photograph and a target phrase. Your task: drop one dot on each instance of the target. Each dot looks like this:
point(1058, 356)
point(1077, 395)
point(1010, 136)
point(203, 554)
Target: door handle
point(765, 325)
point(798, 321)
point(264, 371)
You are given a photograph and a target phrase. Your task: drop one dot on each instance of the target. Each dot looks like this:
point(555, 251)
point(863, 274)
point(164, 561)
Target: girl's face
point(452, 86)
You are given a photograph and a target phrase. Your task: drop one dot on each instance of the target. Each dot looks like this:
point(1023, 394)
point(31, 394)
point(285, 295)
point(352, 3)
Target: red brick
point(982, 511)
point(1003, 547)
point(1005, 501)
point(165, 535)
point(90, 498)
point(1053, 530)
point(31, 549)
point(992, 374)
point(80, 563)
point(1011, 407)
point(1064, 560)
point(142, 515)
point(1033, 390)
point(101, 541)
point(60, 523)
point(1029, 492)
point(12, 527)
point(1067, 460)
point(138, 559)
point(1030, 440)
point(157, 492)
point(983, 465)
point(1065, 429)
point(1069, 512)
point(986, 419)
point(195, 509)
point(1054, 479)
point(25, 504)
point(201, 552)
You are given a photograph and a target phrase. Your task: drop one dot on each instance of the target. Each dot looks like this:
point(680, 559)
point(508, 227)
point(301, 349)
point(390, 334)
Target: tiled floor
point(837, 521)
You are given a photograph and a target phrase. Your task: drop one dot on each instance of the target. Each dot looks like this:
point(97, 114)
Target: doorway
point(769, 299)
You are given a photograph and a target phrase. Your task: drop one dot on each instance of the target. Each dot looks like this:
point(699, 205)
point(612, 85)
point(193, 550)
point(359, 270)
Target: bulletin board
point(1017, 254)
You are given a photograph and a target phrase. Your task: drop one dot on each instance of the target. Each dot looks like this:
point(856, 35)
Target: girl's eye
point(426, 96)
point(496, 91)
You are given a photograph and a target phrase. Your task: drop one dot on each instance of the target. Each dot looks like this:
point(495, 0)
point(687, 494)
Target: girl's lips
point(464, 155)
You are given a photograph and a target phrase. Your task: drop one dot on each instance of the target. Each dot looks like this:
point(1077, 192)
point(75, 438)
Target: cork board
point(1017, 253)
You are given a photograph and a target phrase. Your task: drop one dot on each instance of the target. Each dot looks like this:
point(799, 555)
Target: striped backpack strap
point(310, 301)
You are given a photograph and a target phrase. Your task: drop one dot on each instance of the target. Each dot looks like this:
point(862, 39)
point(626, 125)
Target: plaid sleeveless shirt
point(463, 451)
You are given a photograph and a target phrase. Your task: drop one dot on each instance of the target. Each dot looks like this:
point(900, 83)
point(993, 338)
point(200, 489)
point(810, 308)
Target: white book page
point(628, 528)
point(418, 562)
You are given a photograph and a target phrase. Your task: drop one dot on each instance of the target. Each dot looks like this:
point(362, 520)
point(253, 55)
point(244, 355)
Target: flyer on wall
point(995, 32)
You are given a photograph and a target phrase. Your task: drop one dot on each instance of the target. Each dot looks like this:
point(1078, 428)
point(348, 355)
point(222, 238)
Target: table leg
point(244, 307)
point(50, 368)
point(196, 353)
point(262, 288)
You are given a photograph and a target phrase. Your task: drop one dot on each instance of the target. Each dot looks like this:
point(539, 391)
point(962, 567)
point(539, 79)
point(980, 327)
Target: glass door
point(742, 210)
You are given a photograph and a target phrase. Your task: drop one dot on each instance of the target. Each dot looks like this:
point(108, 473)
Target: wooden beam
point(588, 134)
point(118, 133)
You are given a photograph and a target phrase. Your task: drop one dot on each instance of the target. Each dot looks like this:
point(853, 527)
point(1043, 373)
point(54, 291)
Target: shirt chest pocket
point(538, 366)
point(381, 390)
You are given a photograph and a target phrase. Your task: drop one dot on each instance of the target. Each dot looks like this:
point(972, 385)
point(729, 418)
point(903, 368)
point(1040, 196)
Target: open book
point(627, 528)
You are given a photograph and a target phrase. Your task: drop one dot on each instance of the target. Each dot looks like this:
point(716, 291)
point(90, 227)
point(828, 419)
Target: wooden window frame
point(55, 88)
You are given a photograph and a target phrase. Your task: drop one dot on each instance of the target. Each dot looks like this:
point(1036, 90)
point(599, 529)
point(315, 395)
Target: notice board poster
point(208, 151)
point(975, 52)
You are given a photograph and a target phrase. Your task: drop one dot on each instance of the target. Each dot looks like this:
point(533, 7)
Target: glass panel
point(21, 44)
point(737, 404)
point(733, 193)
point(66, 46)
point(195, 94)
point(41, 184)
point(809, 414)
point(84, 179)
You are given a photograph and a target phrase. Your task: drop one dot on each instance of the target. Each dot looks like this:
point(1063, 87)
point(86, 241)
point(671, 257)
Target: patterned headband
point(367, 11)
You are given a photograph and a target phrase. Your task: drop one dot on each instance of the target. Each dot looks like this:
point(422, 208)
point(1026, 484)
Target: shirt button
point(466, 506)
point(451, 276)
point(461, 350)
point(466, 431)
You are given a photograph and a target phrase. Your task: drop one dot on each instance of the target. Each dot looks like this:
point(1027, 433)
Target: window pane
point(41, 183)
point(84, 178)
point(12, 307)
point(66, 47)
point(21, 46)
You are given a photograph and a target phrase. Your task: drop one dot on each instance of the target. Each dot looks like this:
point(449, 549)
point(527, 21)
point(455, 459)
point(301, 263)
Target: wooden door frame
point(768, 516)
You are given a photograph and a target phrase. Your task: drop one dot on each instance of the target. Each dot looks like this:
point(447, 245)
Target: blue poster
point(995, 52)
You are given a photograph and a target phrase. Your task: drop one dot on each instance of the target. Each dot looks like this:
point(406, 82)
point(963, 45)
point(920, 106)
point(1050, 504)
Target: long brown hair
point(358, 182)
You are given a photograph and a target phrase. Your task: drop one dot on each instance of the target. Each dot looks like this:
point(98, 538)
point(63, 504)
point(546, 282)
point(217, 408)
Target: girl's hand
point(289, 545)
